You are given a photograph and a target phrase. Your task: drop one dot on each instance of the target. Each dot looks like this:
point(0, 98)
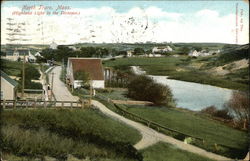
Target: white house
point(161, 49)
point(53, 45)
point(92, 66)
point(8, 87)
point(203, 53)
point(16, 54)
point(129, 53)
point(194, 53)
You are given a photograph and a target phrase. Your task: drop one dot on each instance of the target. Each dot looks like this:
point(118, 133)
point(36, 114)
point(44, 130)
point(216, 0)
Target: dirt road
point(60, 90)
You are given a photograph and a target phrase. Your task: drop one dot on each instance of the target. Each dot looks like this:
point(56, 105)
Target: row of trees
point(63, 52)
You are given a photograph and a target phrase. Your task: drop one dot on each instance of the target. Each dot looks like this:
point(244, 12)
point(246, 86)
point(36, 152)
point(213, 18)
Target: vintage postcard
point(164, 80)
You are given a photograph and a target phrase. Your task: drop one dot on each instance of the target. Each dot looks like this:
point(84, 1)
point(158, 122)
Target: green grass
point(178, 68)
point(195, 125)
point(115, 94)
point(167, 152)
point(90, 132)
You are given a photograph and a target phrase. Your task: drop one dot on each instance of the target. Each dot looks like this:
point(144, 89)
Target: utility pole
point(52, 81)
point(90, 92)
point(23, 80)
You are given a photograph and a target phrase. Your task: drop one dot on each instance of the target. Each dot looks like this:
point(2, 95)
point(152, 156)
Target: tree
point(82, 75)
point(138, 51)
point(238, 105)
point(144, 88)
point(184, 50)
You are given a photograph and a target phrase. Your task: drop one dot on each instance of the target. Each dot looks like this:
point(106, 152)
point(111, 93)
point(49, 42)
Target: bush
point(209, 110)
point(223, 113)
point(238, 105)
point(145, 89)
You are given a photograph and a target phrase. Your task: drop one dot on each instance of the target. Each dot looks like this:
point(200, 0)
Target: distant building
point(129, 53)
point(203, 53)
point(18, 54)
point(8, 87)
point(92, 66)
point(161, 49)
point(53, 46)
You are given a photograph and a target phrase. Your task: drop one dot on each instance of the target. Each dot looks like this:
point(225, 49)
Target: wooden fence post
point(82, 105)
point(26, 103)
point(14, 103)
point(62, 104)
point(45, 104)
point(4, 104)
point(216, 146)
point(35, 104)
point(70, 104)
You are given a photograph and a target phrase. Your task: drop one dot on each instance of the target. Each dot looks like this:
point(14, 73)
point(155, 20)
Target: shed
point(8, 87)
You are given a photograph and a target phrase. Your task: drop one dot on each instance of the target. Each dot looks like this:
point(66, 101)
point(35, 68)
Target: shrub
point(209, 110)
point(238, 105)
point(144, 88)
point(223, 113)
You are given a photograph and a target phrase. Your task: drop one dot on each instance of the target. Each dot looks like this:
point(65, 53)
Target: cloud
point(105, 24)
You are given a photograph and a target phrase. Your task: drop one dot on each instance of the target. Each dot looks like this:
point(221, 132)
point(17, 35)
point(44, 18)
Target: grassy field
point(191, 123)
point(167, 152)
point(196, 125)
point(180, 68)
point(55, 133)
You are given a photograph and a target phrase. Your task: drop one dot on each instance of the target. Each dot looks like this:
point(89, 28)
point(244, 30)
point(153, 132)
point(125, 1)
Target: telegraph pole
point(23, 80)
point(52, 81)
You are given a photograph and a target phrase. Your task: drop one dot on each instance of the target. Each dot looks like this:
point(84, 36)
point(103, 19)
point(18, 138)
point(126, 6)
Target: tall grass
point(43, 143)
point(87, 126)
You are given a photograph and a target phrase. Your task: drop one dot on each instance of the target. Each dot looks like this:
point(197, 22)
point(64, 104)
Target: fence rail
point(8, 104)
point(151, 123)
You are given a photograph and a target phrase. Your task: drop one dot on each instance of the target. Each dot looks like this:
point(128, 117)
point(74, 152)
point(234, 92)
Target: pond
point(194, 96)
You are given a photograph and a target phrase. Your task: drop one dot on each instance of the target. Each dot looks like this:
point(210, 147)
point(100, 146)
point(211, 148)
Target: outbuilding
point(8, 87)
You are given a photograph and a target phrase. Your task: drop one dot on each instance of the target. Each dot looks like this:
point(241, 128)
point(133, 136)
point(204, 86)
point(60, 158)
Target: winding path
point(149, 136)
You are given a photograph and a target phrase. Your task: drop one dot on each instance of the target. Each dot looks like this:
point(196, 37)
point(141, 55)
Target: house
point(92, 66)
point(162, 49)
point(53, 46)
point(31, 58)
point(129, 53)
point(203, 53)
point(18, 54)
point(194, 53)
point(8, 87)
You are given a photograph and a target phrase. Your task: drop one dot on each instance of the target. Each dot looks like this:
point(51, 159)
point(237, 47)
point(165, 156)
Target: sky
point(124, 21)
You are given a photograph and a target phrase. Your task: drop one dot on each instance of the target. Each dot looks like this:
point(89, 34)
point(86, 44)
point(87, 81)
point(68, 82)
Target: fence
point(8, 104)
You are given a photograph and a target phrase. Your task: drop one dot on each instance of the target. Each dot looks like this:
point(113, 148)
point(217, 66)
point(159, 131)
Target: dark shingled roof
point(7, 78)
point(21, 52)
point(91, 66)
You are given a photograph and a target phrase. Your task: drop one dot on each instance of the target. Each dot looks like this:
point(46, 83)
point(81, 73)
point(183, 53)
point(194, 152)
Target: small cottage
point(8, 87)
point(92, 66)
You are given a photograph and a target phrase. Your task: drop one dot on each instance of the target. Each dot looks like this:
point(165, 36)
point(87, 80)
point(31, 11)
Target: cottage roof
point(7, 78)
point(91, 66)
point(21, 52)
